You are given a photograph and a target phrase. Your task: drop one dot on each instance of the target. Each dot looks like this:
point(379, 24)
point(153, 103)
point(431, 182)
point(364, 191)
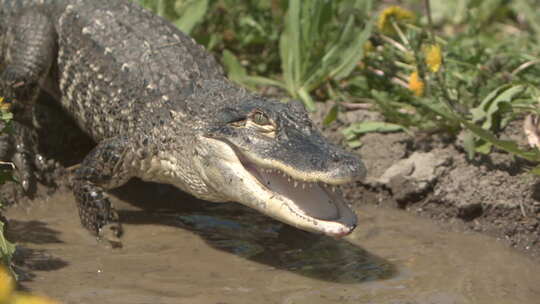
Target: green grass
point(7, 249)
point(334, 50)
point(488, 76)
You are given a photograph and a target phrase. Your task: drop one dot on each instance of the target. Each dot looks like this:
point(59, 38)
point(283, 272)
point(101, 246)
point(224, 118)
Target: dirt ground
point(426, 175)
point(431, 176)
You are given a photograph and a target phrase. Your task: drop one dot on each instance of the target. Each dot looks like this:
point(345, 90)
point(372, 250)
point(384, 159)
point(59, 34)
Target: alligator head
point(268, 155)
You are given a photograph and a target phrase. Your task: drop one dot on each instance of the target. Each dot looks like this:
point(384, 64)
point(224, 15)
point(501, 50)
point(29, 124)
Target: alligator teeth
point(303, 186)
point(295, 184)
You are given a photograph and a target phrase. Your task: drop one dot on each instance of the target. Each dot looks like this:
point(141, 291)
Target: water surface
point(181, 250)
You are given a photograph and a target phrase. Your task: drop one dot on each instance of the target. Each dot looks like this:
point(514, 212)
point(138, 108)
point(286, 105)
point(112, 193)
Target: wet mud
point(181, 250)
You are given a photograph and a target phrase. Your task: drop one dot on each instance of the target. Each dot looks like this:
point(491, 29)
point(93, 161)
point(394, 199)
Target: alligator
point(160, 108)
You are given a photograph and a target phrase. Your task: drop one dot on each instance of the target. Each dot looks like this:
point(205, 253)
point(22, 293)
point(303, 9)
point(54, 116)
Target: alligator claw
point(25, 147)
point(25, 184)
point(25, 177)
point(111, 234)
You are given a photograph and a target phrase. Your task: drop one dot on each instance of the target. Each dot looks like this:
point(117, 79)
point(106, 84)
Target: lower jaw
point(333, 229)
point(274, 207)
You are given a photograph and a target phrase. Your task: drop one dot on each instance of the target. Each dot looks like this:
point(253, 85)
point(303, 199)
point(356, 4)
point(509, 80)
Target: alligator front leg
point(102, 169)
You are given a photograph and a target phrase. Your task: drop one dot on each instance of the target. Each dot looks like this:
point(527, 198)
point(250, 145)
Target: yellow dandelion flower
point(7, 284)
point(433, 55)
point(4, 106)
point(416, 84)
point(31, 299)
point(397, 14)
point(23, 298)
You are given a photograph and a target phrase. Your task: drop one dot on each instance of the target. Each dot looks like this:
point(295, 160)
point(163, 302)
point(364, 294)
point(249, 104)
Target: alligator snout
point(345, 166)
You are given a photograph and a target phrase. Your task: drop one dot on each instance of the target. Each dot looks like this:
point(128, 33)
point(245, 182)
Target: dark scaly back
point(117, 61)
point(121, 57)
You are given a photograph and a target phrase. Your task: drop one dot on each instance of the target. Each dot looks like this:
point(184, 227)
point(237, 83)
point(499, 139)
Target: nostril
point(338, 158)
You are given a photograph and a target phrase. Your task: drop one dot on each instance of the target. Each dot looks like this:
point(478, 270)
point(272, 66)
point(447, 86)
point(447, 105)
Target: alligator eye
point(260, 119)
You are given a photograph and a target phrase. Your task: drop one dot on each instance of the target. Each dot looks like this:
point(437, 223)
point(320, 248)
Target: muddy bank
point(431, 176)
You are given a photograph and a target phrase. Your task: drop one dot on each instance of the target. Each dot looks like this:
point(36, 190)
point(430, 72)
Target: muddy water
point(179, 250)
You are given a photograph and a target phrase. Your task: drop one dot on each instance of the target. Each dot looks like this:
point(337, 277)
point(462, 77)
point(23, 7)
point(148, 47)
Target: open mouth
point(317, 206)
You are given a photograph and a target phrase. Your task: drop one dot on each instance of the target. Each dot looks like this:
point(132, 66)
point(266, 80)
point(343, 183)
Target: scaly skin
point(160, 108)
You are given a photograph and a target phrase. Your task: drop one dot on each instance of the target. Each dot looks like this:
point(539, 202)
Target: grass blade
point(192, 13)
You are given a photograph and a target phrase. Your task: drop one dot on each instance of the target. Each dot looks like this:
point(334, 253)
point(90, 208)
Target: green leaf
point(6, 116)
point(6, 173)
point(331, 116)
point(352, 52)
point(259, 80)
point(290, 44)
point(237, 73)
point(536, 170)
point(353, 144)
point(489, 108)
point(308, 101)
point(7, 249)
point(191, 13)
point(509, 146)
point(484, 147)
point(312, 50)
point(370, 126)
point(439, 108)
point(469, 144)
point(235, 70)
point(339, 61)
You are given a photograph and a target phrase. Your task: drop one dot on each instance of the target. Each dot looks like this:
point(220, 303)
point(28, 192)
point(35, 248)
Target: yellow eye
point(260, 119)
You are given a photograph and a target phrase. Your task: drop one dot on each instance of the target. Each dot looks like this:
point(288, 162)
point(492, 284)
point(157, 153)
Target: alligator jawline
point(313, 201)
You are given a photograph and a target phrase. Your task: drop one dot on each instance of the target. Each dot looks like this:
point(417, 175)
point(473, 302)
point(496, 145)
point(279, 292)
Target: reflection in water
point(246, 233)
point(243, 231)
